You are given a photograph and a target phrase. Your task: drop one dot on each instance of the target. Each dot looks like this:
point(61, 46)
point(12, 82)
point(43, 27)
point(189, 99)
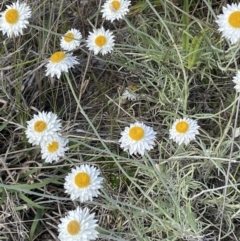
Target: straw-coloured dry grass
point(173, 53)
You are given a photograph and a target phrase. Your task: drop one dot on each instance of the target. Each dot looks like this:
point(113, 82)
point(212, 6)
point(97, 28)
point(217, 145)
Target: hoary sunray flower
point(229, 22)
point(54, 149)
point(42, 127)
point(115, 9)
point(137, 138)
point(100, 41)
point(78, 225)
point(71, 40)
point(14, 19)
point(130, 93)
point(83, 182)
point(236, 80)
point(184, 130)
point(60, 62)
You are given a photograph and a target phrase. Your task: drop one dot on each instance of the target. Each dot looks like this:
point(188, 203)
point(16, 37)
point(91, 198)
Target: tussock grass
point(181, 66)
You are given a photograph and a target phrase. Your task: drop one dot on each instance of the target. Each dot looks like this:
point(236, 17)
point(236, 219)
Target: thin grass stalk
point(86, 69)
point(185, 35)
point(228, 169)
point(186, 92)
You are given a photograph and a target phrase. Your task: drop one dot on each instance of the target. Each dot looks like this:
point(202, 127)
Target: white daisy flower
point(60, 62)
point(229, 22)
point(54, 148)
point(83, 182)
point(115, 9)
point(236, 80)
point(184, 130)
point(71, 40)
point(78, 225)
point(100, 41)
point(42, 127)
point(137, 138)
point(129, 93)
point(14, 19)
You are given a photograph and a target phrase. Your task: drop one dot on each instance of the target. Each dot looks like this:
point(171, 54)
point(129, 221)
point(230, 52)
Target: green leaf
point(194, 50)
point(37, 217)
point(3, 195)
point(30, 202)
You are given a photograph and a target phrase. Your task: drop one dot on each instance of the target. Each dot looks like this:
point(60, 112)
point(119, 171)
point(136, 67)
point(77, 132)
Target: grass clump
point(174, 55)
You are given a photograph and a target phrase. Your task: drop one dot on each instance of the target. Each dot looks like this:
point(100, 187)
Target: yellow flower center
point(82, 179)
point(136, 133)
point(12, 16)
point(73, 227)
point(182, 127)
point(58, 57)
point(53, 147)
point(100, 40)
point(40, 126)
point(132, 87)
point(115, 5)
point(68, 37)
point(234, 19)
